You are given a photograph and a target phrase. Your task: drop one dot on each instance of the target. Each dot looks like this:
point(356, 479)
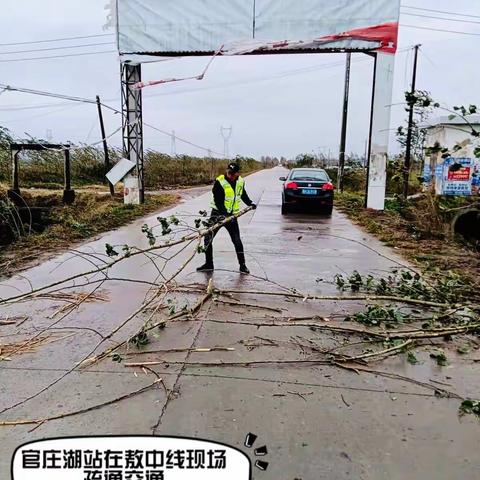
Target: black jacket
point(219, 196)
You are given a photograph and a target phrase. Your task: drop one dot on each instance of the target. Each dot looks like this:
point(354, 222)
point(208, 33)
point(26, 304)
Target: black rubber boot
point(206, 267)
point(244, 269)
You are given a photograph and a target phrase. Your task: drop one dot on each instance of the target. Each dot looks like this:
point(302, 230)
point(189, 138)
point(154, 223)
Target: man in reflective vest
point(228, 192)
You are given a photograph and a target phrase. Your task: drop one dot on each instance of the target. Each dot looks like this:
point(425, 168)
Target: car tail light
point(328, 186)
point(291, 186)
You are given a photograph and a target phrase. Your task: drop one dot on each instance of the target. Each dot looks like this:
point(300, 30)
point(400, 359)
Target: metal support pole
point(343, 139)
point(68, 193)
point(370, 131)
point(408, 150)
point(14, 192)
point(15, 184)
point(134, 191)
point(105, 145)
point(212, 172)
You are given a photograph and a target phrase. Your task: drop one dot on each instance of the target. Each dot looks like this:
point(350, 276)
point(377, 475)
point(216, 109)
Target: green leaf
point(469, 407)
point(111, 252)
point(412, 359)
point(440, 358)
point(463, 349)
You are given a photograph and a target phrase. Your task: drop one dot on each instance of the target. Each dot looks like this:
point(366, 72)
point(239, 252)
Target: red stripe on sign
point(386, 34)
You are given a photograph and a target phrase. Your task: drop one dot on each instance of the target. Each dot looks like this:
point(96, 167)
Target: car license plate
point(309, 191)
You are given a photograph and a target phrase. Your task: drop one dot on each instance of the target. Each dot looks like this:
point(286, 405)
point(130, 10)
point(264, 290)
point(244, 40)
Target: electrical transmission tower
point(226, 133)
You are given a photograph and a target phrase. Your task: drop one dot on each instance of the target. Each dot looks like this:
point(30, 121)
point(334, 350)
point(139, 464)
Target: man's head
point(233, 171)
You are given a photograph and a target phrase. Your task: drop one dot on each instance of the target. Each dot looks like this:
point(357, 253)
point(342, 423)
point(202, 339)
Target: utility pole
point(365, 161)
point(174, 144)
point(343, 138)
point(408, 150)
point(212, 172)
point(226, 133)
point(105, 145)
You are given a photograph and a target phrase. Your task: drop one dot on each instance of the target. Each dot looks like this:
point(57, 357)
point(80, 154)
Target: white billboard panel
point(202, 26)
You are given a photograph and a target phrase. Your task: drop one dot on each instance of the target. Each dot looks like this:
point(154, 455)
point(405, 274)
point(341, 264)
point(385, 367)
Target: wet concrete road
point(318, 421)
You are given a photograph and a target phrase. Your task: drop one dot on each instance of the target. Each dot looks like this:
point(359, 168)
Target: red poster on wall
point(462, 175)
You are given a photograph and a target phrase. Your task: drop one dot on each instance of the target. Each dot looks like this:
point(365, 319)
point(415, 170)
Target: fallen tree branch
point(381, 353)
point(230, 364)
point(194, 236)
point(339, 298)
point(319, 326)
point(436, 333)
point(249, 305)
point(181, 350)
point(396, 376)
point(192, 311)
point(79, 412)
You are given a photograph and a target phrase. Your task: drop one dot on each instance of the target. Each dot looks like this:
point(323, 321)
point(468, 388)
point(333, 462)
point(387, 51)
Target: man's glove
point(254, 206)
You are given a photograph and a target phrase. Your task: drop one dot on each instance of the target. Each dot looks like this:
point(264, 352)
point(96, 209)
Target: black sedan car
point(307, 187)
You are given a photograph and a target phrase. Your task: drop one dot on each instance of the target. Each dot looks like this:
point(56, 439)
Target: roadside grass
point(419, 230)
point(93, 212)
point(46, 169)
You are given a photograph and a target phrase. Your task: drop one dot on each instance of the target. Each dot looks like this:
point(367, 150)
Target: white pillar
point(382, 100)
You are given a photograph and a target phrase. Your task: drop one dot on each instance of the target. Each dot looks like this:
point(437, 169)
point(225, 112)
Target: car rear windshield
point(317, 175)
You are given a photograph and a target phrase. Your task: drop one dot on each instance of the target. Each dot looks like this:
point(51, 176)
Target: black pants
point(234, 231)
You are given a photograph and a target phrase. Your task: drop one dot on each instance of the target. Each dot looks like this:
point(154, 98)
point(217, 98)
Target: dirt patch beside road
point(45, 227)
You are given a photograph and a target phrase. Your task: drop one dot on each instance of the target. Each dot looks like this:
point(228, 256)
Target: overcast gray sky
point(277, 105)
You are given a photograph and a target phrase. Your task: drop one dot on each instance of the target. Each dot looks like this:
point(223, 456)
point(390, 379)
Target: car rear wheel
point(285, 209)
point(327, 211)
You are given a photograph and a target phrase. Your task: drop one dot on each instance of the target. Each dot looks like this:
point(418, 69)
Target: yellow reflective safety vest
point(232, 197)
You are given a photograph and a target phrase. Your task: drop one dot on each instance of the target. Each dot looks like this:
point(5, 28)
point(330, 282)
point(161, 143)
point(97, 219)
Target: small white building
point(459, 173)
point(450, 132)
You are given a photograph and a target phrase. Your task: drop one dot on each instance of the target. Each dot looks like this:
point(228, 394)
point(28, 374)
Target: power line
point(440, 30)
point(86, 100)
point(56, 56)
point(257, 80)
point(15, 108)
point(46, 94)
point(57, 48)
point(80, 99)
point(55, 40)
point(182, 139)
point(442, 11)
point(440, 18)
point(40, 115)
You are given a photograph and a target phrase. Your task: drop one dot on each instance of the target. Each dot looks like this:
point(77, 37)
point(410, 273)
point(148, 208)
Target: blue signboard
point(456, 176)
